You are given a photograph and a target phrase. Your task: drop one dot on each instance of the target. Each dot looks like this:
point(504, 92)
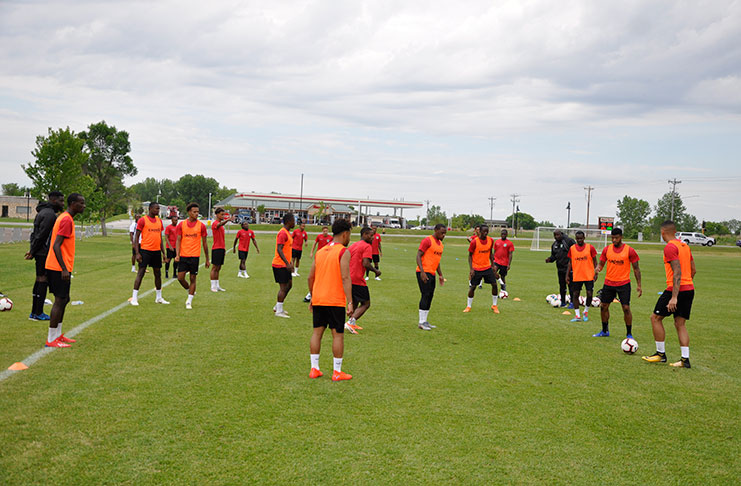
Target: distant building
point(496, 223)
point(18, 207)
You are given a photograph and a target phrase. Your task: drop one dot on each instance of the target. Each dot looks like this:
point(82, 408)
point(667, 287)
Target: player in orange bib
point(676, 299)
point(481, 267)
point(618, 257)
point(580, 272)
point(171, 240)
point(150, 252)
point(330, 285)
point(429, 253)
point(282, 266)
point(59, 264)
point(191, 237)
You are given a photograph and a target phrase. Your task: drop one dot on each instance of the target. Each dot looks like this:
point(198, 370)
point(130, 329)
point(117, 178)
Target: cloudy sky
point(447, 101)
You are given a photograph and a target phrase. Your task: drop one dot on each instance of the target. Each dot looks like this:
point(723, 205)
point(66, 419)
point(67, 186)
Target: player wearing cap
point(282, 266)
point(297, 247)
point(171, 240)
point(244, 236)
point(582, 262)
point(331, 290)
point(192, 235)
point(218, 249)
point(480, 265)
point(428, 263)
point(150, 251)
point(361, 254)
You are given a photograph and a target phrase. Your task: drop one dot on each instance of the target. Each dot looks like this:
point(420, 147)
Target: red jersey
point(299, 237)
point(171, 233)
point(677, 250)
point(358, 251)
point(376, 243)
point(245, 237)
point(322, 240)
point(502, 249)
point(218, 233)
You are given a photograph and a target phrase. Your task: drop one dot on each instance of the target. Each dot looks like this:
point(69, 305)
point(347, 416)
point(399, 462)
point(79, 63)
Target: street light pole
point(28, 205)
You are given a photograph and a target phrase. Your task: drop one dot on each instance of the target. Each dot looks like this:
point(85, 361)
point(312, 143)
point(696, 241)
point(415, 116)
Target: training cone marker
point(18, 366)
point(566, 313)
point(517, 299)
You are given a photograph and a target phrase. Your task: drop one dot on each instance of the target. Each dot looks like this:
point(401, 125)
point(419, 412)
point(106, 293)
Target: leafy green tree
point(633, 215)
point(107, 164)
point(546, 224)
point(663, 210)
point(523, 220)
point(466, 221)
point(13, 189)
point(574, 224)
point(436, 216)
point(260, 212)
point(733, 225)
point(713, 228)
point(196, 188)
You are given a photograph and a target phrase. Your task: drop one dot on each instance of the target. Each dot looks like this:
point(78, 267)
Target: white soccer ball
point(5, 304)
point(556, 302)
point(595, 302)
point(550, 298)
point(629, 345)
point(503, 294)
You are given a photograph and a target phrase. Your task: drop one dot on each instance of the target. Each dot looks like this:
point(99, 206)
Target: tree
point(663, 210)
point(13, 189)
point(523, 220)
point(574, 224)
point(436, 216)
point(734, 225)
point(466, 221)
point(260, 211)
point(107, 164)
point(713, 228)
point(633, 215)
point(546, 224)
point(196, 188)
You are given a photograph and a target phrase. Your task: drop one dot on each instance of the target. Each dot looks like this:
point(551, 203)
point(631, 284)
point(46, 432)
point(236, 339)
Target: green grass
point(220, 394)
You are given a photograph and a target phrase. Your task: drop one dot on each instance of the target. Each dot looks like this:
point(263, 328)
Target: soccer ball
point(629, 346)
point(503, 294)
point(5, 304)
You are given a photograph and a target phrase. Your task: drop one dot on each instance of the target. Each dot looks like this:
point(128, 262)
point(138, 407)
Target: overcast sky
point(448, 101)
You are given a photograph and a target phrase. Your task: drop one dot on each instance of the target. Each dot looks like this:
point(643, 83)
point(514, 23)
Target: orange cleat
point(67, 340)
point(356, 327)
point(340, 375)
point(495, 309)
point(315, 373)
point(467, 309)
point(57, 344)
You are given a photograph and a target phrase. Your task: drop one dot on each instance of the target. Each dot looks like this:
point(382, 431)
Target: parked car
point(695, 239)
point(738, 242)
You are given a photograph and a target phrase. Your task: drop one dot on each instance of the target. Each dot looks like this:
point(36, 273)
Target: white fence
point(23, 233)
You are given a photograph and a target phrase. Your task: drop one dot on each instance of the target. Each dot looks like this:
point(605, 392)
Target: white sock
point(470, 302)
point(133, 268)
point(135, 295)
point(338, 364)
point(423, 316)
point(494, 299)
point(218, 286)
point(352, 321)
point(159, 294)
point(576, 312)
point(214, 283)
point(189, 299)
point(279, 307)
point(314, 361)
point(685, 350)
point(660, 347)
point(52, 334)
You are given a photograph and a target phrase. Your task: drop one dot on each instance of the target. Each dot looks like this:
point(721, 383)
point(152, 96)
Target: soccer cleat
point(282, 314)
point(481, 286)
point(214, 289)
point(33, 317)
point(134, 302)
point(340, 375)
point(571, 305)
point(430, 325)
point(65, 339)
point(424, 326)
point(586, 318)
point(602, 334)
point(315, 373)
point(188, 305)
point(563, 304)
point(629, 336)
point(495, 309)
point(160, 301)
point(220, 289)
point(655, 358)
point(366, 277)
point(356, 327)
point(682, 363)
point(307, 300)
point(57, 344)
point(378, 278)
point(350, 329)
point(576, 319)
point(43, 317)
point(467, 309)
point(167, 275)
point(246, 275)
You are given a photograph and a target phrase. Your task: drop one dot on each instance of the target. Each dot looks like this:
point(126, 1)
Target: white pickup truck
point(695, 239)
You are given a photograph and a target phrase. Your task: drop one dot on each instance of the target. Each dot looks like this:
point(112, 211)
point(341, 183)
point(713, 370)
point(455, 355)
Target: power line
point(514, 201)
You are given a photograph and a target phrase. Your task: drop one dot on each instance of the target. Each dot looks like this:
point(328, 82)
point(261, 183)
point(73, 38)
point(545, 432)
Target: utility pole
point(589, 190)
point(491, 207)
point(674, 183)
point(568, 215)
point(301, 197)
point(514, 201)
point(427, 214)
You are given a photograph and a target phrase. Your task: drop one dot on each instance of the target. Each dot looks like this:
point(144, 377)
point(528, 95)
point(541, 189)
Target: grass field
point(220, 394)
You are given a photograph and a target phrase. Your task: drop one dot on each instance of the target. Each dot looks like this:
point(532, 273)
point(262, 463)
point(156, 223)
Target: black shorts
point(608, 294)
point(242, 254)
point(329, 316)
point(133, 251)
point(189, 264)
point(40, 265)
point(588, 284)
point(426, 288)
point(150, 258)
point(487, 275)
point(684, 304)
point(296, 253)
point(376, 258)
point(58, 287)
point(360, 293)
point(502, 269)
point(281, 275)
point(171, 254)
point(217, 256)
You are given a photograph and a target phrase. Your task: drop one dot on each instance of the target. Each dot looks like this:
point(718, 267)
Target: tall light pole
point(514, 201)
point(589, 190)
point(491, 207)
point(568, 215)
point(209, 206)
point(674, 183)
point(28, 205)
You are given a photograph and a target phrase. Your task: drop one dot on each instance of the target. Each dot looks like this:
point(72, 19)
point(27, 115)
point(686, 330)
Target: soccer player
point(218, 249)
point(331, 289)
point(299, 242)
point(480, 265)
point(361, 254)
point(282, 266)
point(192, 235)
point(132, 230)
point(503, 249)
point(321, 240)
point(244, 236)
point(171, 239)
point(582, 262)
point(676, 299)
point(618, 258)
point(475, 233)
point(43, 223)
point(377, 251)
point(559, 254)
point(428, 263)
point(150, 252)
point(59, 265)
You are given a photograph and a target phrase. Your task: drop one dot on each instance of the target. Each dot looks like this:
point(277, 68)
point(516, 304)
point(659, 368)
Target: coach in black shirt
point(559, 254)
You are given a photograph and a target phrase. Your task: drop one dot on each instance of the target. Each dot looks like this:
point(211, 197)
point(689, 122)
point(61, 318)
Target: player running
point(618, 258)
point(297, 247)
point(321, 240)
point(43, 223)
point(377, 251)
point(361, 254)
point(171, 239)
point(244, 236)
point(59, 265)
point(331, 289)
point(282, 266)
point(503, 250)
point(150, 252)
point(580, 272)
point(218, 250)
point(192, 235)
point(480, 265)
point(428, 263)
point(676, 299)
